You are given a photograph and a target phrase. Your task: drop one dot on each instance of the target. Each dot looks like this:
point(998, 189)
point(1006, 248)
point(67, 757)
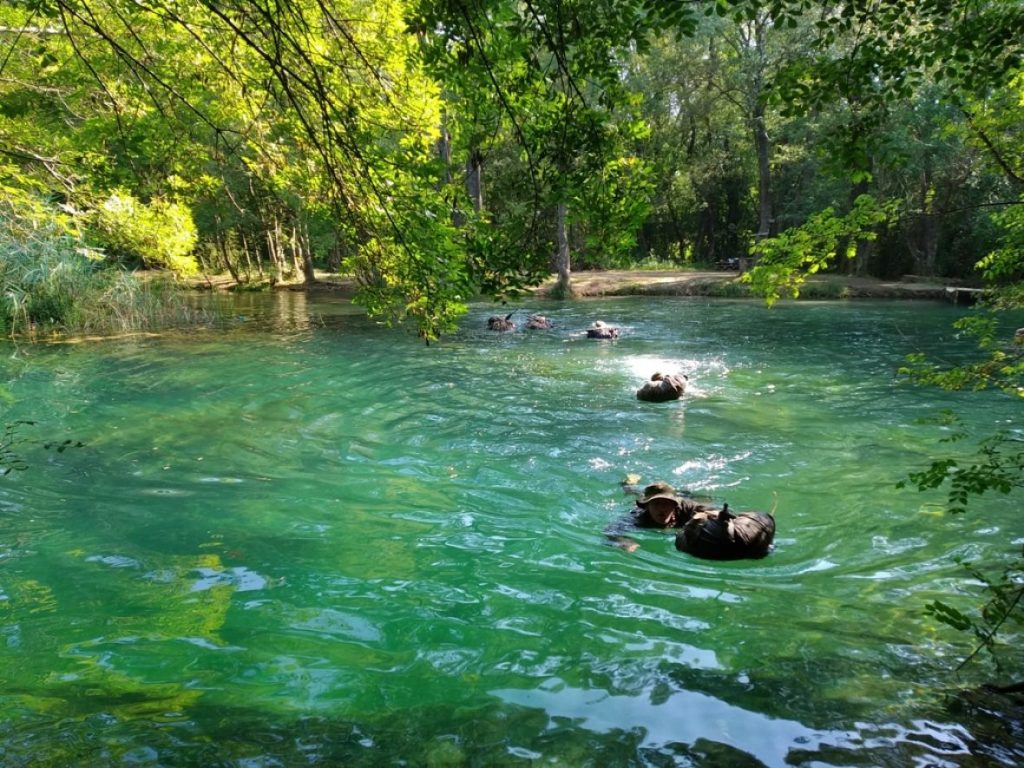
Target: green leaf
point(949, 615)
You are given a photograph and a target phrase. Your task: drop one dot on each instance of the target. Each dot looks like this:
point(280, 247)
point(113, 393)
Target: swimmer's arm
point(622, 542)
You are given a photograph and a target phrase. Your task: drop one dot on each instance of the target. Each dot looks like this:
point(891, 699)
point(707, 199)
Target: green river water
point(300, 538)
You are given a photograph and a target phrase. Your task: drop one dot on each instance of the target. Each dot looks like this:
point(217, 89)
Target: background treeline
point(436, 149)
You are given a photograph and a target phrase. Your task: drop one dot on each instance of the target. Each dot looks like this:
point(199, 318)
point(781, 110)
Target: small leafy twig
point(998, 466)
point(1005, 596)
point(9, 458)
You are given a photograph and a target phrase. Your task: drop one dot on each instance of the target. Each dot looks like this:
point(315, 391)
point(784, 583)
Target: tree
point(698, 144)
point(973, 50)
point(160, 234)
point(546, 75)
point(323, 131)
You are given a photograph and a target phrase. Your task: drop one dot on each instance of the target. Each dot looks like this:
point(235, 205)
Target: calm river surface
point(304, 539)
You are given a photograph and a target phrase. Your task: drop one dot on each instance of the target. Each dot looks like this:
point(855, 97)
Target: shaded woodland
point(442, 150)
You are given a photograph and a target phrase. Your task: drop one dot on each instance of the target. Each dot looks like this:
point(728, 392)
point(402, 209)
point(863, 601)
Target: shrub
point(157, 235)
point(50, 281)
point(43, 268)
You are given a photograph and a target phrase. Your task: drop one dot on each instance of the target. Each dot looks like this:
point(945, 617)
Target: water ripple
point(321, 528)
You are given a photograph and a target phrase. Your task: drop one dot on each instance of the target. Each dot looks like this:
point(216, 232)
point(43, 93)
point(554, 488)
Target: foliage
point(533, 94)
point(50, 280)
point(1001, 365)
point(286, 128)
point(880, 52)
point(491, 272)
point(156, 235)
point(43, 271)
point(610, 207)
point(329, 130)
point(1005, 265)
point(785, 261)
point(973, 50)
point(696, 95)
point(1001, 609)
point(10, 460)
point(413, 277)
point(997, 465)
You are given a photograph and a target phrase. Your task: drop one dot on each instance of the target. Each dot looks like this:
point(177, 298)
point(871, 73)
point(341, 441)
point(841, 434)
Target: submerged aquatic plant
point(11, 435)
point(10, 459)
point(124, 302)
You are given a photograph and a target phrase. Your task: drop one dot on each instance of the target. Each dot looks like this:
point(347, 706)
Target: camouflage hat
point(658, 491)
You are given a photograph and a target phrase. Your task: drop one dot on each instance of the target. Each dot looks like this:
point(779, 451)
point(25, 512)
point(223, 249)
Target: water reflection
point(665, 718)
point(707, 730)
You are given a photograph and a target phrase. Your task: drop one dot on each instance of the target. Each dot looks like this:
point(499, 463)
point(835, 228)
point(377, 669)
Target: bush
point(121, 302)
point(157, 235)
point(50, 281)
point(42, 270)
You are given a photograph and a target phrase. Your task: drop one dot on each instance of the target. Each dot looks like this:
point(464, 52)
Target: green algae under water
point(300, 538)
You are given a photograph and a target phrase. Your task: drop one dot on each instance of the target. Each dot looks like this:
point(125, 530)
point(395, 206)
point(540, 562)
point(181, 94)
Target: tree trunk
point(704, 246)
point(930, 243)
point(248, 260)
point(475, 179)
point(259, 259)
point(295, 246)
point(222, 247)
point(735, 208)
point(334, 258)
point(444, 154)
point(755, 46)
point(308, 270)
point(679, 235)
point(765, 215)
point(862, 256)
point(563, 287)
point(274, 252)
point(927, 247)
point(444, 149)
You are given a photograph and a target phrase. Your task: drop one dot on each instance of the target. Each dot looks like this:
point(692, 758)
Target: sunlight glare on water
point(302, 538)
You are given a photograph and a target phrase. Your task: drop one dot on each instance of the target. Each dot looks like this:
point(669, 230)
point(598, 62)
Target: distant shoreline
point(597, 283)
point(726, 285)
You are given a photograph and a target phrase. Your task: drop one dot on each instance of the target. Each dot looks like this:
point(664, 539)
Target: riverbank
point(726, 285)
point(592, 284)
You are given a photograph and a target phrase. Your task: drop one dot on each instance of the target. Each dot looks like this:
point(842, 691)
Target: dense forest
point(440, 150)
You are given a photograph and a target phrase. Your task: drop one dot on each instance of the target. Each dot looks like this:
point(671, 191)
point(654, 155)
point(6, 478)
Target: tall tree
point(872, 57)
point(551, 68)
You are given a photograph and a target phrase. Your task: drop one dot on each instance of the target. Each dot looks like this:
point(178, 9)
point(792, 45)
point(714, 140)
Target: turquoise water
point(304, 539)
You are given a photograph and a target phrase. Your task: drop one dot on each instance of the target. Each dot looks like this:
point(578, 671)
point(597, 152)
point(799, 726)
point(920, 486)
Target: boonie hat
point(658, 491)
